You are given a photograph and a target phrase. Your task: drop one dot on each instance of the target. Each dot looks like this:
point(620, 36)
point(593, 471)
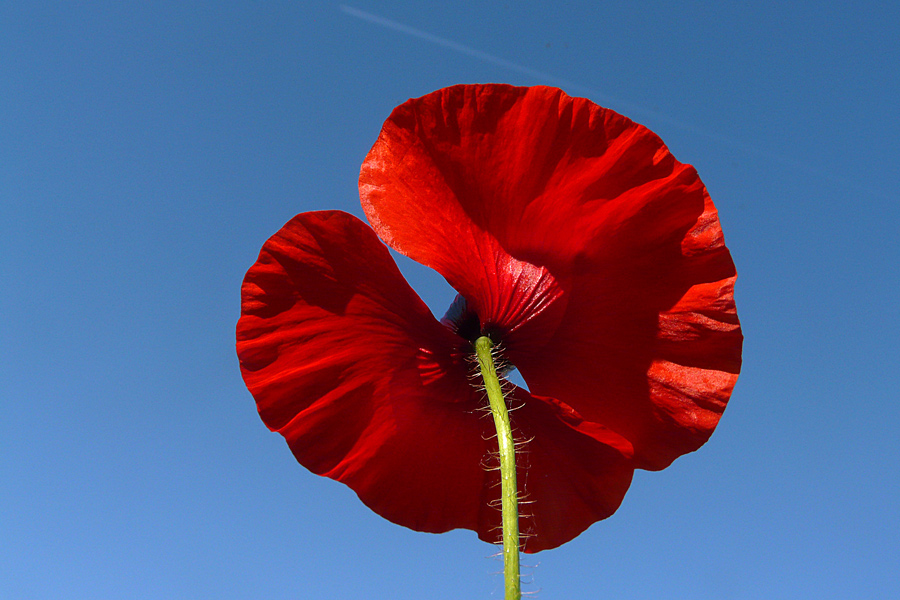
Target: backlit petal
point(350, 366)
point(526, 197)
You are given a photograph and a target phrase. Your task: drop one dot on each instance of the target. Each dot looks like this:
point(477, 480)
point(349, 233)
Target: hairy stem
point(508, 488)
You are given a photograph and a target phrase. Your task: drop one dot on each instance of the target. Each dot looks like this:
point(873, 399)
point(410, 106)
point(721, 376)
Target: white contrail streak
point(468, 51)
point(574, 88)
point(570, 86)
point(490, 58)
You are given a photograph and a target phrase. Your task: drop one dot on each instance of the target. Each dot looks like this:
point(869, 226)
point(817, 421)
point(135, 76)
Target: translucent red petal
point(575, 232)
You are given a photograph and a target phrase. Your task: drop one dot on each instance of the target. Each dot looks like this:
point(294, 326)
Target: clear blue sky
point(147, 150)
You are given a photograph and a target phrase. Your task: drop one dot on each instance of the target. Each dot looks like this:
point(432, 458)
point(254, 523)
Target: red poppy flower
point(575, 240)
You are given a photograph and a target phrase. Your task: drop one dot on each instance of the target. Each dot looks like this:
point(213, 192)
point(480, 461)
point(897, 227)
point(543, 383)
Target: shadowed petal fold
point(571, 473)
point(649, 346)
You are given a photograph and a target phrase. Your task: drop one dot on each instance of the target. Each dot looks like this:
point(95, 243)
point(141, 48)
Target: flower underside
point(576, 242)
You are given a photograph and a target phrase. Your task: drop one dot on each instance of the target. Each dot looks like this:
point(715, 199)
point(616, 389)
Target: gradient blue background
point(147, 150)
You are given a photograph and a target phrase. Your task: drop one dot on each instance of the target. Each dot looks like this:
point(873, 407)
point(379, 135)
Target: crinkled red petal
point(367, 388)
point(576, 230)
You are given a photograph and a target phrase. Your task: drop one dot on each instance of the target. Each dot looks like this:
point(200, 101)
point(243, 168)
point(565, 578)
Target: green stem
point(508, 488)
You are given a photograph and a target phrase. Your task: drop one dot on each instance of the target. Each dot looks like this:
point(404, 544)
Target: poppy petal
point(483, 182)
point(347, 363)
point(650, 347)
point(571, 472)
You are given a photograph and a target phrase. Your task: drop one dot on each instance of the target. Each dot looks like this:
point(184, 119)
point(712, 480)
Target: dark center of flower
point(466, 323)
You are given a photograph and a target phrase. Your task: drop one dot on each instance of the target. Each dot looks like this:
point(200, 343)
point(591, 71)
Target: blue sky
point(148, 150)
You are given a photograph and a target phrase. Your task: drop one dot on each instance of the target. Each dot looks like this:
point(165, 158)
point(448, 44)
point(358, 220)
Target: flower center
point(466, 323)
